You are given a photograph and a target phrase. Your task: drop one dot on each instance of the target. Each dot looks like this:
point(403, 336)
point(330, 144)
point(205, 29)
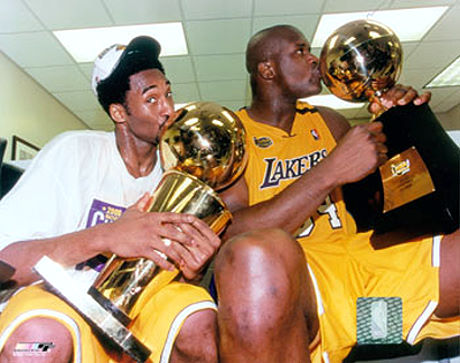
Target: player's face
point(149, 104)
point(297, 67)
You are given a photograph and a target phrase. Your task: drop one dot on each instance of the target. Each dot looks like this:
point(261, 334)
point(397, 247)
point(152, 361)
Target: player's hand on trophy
point(398, 95)
point(187, 242)
point(358, 153)
point(138, 233)
point(196, 256)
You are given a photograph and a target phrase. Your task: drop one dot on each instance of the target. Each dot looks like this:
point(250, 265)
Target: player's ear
point(117, 112)
point(266, 69)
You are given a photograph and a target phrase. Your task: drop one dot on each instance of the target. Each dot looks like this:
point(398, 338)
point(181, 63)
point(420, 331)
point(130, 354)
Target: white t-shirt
point(76, 181)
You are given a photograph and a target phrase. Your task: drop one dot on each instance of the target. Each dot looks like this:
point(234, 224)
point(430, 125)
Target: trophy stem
point(124, 282)
point(107, 305)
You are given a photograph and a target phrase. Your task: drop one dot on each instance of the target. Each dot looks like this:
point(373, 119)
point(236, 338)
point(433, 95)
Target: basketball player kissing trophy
point(202, 150)
point(417, 189)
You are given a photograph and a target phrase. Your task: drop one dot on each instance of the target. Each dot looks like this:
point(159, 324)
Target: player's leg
point(197, 339)
point(178, 324)
point(267, 307)
point(449, 277)
point(39, 340)
point(38, 326)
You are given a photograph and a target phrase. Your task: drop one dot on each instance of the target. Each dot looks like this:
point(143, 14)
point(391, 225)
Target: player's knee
point(270, 256)
point(259, 274)
point(43, 338)
point(254, 249)
point(197, 339)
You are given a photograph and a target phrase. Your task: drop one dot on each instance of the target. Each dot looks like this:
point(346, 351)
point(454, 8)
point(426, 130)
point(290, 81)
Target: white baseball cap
point(141, 53)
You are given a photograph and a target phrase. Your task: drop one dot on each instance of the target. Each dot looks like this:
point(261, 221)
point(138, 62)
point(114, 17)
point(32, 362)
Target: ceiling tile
point(221, 9)
point(70, 14)
point(248, 97)
point(178, 69)
point(144, 11)
point(78, 100)
point(232, 105)
point(185, 92)
point(305, 23)
point(403, 4)
point(448, 28)
point(60, 78)
point(264, 7)
point(223, 90)
point(220, 67)
point(87, 69)
point(443, 99)
point(15, 17)
point(34, 49)
point(96, 119)
point(445, 52)
point(218, 36)
point(418, 78)
point(217, 32)
point(334, 6)
point(408, 48)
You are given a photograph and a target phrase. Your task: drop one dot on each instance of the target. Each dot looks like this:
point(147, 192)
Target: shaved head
point(264, 45)
point(280, 63)
point(268, 46)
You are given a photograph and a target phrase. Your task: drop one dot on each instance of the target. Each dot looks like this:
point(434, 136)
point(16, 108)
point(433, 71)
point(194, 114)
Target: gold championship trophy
point(202, 150)
point(417, 189)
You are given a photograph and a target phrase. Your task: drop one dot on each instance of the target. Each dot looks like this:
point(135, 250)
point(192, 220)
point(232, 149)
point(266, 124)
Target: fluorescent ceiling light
point(448, 77)
point(332, 102)
point(85, 44)
point(408, 24)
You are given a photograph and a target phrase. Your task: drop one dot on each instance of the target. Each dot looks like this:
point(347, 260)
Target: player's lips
point(316, 72)
point(316, 75)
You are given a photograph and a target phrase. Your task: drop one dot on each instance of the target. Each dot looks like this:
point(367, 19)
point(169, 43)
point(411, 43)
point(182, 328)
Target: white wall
point(28, 111)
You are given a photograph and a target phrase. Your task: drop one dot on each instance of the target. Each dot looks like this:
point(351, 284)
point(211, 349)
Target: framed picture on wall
point(22, 149)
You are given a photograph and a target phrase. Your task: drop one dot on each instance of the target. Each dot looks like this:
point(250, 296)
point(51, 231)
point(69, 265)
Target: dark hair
point(113, 89)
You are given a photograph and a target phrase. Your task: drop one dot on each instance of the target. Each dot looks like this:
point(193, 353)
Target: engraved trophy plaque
point(202, 150)
point(417, 189)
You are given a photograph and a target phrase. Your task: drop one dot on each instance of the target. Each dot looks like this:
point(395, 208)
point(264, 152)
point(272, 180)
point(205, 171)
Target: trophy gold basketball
point(202, 150)
point(417, 189)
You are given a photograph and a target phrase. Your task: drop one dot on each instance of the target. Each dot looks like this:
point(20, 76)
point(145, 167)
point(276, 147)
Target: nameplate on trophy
point(405, 178)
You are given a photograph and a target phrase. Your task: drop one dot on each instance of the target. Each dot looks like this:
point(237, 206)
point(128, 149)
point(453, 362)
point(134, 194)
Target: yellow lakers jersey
point(277, 159)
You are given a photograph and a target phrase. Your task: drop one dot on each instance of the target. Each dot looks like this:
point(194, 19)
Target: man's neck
point(139, 157)
point(275, 112)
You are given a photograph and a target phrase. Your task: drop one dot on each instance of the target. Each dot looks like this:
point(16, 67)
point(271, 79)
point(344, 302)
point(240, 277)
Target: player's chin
point(313, 89)
point(319, 87)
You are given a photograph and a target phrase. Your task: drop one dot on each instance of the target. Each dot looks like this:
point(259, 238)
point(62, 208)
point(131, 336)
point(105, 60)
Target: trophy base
point(112, 331)
point(433, 213)
point(107, 305)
